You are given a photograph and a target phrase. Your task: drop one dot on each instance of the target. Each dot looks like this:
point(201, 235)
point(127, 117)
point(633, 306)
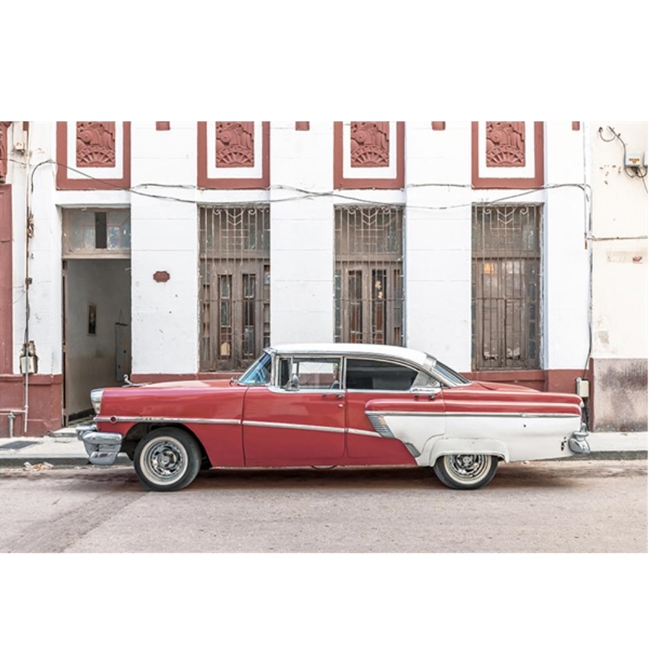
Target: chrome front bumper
point(578, 441)
point(102, 448)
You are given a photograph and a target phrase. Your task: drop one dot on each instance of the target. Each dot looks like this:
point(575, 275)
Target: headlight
point(96, 398)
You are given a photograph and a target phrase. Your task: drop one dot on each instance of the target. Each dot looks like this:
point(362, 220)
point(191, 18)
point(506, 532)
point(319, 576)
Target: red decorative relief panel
point(4, 150)
point(505, 144)
point(233, 155)
point(369, 144)
point(93, 155)
point(235, 144)
point(95, 144)
point(368, 155)
point(507, 155)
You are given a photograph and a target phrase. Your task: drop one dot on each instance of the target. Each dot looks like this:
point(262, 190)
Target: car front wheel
point(167, 459)
point(466, 471)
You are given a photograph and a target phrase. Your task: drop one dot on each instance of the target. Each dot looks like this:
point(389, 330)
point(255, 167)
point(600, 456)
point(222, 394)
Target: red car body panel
point(283, 428)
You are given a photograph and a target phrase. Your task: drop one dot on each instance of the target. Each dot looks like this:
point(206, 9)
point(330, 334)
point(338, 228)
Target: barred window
point(368, 276)
point(235, 276)
point(506, 286)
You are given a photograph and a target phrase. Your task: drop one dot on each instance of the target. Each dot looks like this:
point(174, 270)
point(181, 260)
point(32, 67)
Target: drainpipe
point(587, 164)
point(29, 233)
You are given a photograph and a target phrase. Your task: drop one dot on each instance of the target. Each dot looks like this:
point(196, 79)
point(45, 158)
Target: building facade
point(513, 251)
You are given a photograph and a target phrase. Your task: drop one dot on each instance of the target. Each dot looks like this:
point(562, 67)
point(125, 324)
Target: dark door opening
point(96, 330)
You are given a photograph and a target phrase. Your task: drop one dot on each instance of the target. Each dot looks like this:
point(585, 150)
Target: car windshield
point(445, 373)
point(259, 374)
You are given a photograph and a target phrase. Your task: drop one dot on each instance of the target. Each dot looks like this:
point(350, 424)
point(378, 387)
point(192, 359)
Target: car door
point(300, 418)
point(403, 389)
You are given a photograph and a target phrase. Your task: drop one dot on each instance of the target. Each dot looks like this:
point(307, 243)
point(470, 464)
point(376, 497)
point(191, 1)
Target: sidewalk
point(61, 448)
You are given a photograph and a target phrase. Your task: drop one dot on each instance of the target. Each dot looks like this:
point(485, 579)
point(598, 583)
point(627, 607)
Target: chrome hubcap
point(164, 459)
point(468, 466)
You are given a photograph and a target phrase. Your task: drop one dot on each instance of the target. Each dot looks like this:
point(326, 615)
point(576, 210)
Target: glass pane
point(316, 373)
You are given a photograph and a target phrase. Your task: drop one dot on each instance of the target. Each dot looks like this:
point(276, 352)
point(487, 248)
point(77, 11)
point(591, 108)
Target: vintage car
point(332, 405)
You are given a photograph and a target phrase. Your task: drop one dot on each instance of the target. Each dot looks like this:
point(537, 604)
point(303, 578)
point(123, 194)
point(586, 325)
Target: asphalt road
point(566, 507)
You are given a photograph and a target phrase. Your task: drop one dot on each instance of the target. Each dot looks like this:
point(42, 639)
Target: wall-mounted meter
point(634, 160)
point(582, 387)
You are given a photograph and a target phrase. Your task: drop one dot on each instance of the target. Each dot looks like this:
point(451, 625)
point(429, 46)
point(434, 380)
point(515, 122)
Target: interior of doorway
point(96, 330)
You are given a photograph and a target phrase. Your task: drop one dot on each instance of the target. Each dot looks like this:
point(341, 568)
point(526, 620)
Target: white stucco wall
point(566, 255)
point(45, 304)
point(164, 237)
point(302, 234)
point(437, 242)
point(620, 230)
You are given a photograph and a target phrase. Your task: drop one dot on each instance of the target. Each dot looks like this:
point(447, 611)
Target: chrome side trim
point(412, 449)
point(363, 432)
point(379, 424)
point(287, 425)
point(153, 418)
point(447, 414)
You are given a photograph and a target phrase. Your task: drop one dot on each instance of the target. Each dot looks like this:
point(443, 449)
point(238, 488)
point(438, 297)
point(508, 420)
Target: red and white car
point(333, 405)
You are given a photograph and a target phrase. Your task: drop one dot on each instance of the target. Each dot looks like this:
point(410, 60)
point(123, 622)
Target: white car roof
point(364, 349)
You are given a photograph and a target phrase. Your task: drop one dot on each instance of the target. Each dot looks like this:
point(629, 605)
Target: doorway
point(97, 330)
point(96, 305)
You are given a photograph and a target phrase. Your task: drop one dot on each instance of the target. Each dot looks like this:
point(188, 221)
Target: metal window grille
point(235, 276)
point(506, 286)
point(368, 276)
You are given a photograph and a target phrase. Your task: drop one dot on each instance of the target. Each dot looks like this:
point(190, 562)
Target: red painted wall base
point(45, 404)
point(551, 381)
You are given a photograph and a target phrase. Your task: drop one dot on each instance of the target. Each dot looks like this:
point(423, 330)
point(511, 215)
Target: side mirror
point(294, 383)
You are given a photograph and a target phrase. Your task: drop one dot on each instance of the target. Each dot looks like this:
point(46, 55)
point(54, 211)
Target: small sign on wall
point(92, 319)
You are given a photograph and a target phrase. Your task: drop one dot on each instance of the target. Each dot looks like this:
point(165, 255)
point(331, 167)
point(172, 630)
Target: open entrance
point(96, 306)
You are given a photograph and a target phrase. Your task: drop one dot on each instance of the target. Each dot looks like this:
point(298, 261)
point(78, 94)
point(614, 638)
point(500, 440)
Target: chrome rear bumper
point(102, 448)
point(578, 441)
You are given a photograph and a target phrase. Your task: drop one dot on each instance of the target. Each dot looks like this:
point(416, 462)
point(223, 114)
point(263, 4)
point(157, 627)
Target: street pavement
point(61, 448)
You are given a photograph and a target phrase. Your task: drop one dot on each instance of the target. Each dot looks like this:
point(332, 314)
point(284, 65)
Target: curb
point(60, 461)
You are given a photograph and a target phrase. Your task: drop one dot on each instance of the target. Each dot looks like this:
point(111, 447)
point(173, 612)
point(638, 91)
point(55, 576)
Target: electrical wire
point(310, 194)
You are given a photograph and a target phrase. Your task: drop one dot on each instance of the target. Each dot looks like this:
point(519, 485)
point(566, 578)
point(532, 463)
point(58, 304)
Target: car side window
point(309, 373)
point(372, 374)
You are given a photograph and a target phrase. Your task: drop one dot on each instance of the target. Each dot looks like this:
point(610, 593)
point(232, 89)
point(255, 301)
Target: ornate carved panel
point(93, 155)
point(95, 144)
point(368, 155)
point(505, 144)
point(4, 150)
point(508, 155)
point(235, 144)
point(233, 155)
point(369, 144)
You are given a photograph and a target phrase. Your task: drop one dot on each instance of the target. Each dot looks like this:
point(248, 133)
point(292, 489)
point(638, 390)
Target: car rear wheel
point(167, 459)
point(466, 471)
